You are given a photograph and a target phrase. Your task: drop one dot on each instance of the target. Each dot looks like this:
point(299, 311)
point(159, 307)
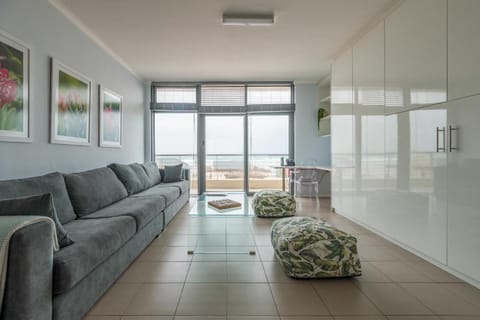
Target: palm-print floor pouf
point(310, 248)
point(273, 203)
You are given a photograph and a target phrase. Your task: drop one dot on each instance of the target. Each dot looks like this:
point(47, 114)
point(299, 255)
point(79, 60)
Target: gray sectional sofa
point(110, 213)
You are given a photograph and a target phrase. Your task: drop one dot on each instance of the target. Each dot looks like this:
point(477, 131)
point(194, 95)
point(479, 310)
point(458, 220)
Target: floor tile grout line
point(403, 289)
point(183, 287)
point(321, 299)
point(438, 283)
point(271, 290)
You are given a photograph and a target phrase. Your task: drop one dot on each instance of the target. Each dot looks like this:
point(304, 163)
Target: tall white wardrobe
point(406, 131)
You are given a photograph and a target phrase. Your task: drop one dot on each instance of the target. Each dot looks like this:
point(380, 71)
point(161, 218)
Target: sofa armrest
point(28, 287)
point(186, 173)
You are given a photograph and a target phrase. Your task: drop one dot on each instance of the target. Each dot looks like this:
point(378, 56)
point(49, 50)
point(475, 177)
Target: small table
point(324, 169)
point(201, 208)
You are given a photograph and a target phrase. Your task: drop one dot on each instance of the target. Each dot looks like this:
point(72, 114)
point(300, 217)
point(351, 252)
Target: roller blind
point(223, 97)
point(172, 98)
point(269, 99)
point(176, 95)
point(269, 95)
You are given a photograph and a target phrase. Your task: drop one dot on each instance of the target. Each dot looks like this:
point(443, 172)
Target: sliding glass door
point(268, 142)
point(224, 153)
point(230, 145)
point(176, 141)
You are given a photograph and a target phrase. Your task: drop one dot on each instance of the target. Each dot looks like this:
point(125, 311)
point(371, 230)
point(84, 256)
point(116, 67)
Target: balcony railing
point(225, 171)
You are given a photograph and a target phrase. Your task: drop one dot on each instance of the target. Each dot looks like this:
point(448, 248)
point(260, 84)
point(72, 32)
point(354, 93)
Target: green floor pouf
point(274, 203)
point(307, 247)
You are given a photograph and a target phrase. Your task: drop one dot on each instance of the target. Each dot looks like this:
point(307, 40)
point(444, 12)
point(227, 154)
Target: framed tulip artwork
point(110, 118)
point(70, 106)
point(14, 90)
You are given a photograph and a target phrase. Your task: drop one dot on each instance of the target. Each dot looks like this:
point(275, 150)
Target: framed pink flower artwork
point(110, 133)
point(14, 90)
point(70, 106)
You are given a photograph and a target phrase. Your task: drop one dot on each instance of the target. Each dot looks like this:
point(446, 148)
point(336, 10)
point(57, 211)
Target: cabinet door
point(464, 187)
point(369, 135)
point(415, 195)
point(463, 48)
point(342, 134)
point(416, 55)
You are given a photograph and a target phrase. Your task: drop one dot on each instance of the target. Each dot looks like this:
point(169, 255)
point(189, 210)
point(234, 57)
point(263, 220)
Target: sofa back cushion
point(94, 189)
point(51, 183)
point(142, 176)
point(133, 176)
point(153, 173)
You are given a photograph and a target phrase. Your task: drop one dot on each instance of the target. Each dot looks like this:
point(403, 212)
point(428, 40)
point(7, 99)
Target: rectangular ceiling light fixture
point(248, 20)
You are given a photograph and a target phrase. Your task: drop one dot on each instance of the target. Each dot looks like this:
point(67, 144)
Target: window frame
point(262, 109)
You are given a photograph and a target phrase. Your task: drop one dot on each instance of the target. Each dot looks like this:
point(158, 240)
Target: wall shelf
point(324, 100)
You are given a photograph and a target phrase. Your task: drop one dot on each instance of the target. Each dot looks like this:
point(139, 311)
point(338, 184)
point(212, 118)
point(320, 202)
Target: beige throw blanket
point(8, 226)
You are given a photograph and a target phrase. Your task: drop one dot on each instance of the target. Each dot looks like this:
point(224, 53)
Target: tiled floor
point(224, 282)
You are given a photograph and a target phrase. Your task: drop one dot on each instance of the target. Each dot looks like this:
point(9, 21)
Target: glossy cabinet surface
point(368, 110)
point(405, 161)
point(415, 185)
point(464, 187)
point(416, 55)
point(463, 48)
point(342, 134)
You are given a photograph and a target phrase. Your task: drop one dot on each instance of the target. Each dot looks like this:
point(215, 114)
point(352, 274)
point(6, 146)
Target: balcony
point(225, 172)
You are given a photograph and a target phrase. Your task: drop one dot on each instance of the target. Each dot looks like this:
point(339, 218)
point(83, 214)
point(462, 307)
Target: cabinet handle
point(442, 130)
point(450, 140)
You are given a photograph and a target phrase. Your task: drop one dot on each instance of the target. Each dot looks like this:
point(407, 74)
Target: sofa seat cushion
point(94, 189)
point(95, 240)
point(50, 183)
point(182, 185)
point(142, 209)
point(168, 191)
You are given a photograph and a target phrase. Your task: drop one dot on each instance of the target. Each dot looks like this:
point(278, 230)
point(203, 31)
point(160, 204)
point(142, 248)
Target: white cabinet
point(416, 55)
point(416, 180)
point(463, 48)
point(368, 110)
point(342, 134)
point(405, 161)
point(464, 186)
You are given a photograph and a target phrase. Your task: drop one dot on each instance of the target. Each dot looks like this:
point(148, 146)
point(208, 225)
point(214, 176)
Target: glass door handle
point(452, 129)
point(442, 131)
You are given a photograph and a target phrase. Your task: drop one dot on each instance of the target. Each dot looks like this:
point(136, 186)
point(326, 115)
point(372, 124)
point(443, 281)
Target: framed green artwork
point(14, 90)
point(70, 106)
point(110, 117)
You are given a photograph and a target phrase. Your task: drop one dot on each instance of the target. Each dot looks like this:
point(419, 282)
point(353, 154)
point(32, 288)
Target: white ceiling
point(184, 40)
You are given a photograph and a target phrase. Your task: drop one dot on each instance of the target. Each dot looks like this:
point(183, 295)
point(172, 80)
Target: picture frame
point(110, 118)
point(70, 107)
point(15, 110)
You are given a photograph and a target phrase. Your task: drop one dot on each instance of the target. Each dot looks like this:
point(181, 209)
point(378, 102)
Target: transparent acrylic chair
point(305, 178)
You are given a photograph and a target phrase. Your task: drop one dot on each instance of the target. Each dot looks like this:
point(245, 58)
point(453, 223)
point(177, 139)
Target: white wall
point(309, 146)
point(50, 34)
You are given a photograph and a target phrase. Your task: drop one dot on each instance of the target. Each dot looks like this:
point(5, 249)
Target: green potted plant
point(321, 113)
